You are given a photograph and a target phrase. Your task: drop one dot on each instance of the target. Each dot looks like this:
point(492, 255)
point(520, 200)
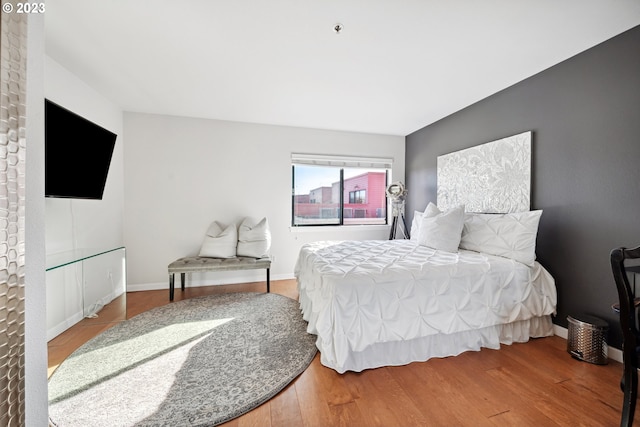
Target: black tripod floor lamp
point(397, 193)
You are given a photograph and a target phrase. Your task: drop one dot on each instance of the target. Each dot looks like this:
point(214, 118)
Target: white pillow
point(220, 241)
point(254, 238)
point(432, 210)
point(442, 230)
point(415, 225)
point(510, 235)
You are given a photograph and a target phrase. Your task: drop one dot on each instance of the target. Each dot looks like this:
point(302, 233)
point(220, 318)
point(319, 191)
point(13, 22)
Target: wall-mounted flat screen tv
point(77, 154)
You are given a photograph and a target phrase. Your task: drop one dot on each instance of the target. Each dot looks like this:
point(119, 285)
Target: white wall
point(183, 173)
point(73, 223)
point(35, 358)
point(76, 224)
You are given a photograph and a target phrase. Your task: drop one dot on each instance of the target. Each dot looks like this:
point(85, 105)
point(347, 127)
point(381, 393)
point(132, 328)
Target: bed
point(465, 280)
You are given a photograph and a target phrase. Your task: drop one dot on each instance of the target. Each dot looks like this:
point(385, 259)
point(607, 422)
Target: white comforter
point(358, 293)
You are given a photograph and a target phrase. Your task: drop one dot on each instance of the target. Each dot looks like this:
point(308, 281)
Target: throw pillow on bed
point(441, 230)
point(219, 241)
point(254, 238)
point(431, 210)
point(511, 235)
point(415, 224)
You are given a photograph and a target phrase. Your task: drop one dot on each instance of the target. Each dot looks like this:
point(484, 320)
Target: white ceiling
point(397, 66)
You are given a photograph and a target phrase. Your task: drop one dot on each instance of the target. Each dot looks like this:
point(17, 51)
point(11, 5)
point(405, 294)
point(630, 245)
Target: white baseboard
point(64, 325)
point(194, 283)
point(76, 317)
point(612, 352)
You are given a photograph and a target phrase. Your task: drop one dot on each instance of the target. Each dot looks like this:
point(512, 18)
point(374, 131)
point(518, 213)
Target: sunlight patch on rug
point(125, 355)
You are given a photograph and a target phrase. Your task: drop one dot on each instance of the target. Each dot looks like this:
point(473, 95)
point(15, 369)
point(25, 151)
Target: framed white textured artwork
point(491, 178)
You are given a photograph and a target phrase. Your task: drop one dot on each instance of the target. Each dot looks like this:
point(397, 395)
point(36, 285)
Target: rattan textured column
point(13, 55)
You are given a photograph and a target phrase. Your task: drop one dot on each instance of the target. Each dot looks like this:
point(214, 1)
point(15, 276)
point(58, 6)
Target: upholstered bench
point(197, 264)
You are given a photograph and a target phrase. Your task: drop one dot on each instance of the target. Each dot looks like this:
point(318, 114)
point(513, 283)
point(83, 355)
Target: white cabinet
point(80, 283)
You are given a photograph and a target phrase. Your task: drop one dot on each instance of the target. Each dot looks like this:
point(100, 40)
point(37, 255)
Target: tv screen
point(77, 154)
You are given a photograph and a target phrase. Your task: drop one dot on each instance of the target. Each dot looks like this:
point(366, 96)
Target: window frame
point(342, 163)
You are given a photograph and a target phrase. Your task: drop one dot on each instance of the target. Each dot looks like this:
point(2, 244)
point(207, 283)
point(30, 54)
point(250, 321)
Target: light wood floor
point(531, 384)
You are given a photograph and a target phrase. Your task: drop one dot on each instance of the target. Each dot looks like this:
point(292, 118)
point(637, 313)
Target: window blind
point(341, 161)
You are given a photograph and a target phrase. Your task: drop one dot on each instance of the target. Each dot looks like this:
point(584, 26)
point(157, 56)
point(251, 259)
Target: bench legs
point(172, 285)
point(182, 280)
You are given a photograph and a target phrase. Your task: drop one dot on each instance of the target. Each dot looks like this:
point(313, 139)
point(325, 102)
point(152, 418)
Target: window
point(331, 190)
point(357, 196)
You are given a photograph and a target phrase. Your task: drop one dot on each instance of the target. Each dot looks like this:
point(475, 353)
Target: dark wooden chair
point(630, 335)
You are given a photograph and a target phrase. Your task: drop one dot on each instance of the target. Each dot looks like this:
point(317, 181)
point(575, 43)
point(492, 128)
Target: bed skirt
point(397, 353)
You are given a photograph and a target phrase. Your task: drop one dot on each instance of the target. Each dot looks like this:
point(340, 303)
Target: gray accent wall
point(585, 117)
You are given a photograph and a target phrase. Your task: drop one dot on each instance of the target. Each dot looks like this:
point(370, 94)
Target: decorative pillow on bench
point(254, 238)
point(220, 241)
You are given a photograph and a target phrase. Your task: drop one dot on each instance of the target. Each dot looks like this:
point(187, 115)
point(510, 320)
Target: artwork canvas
point(489, 178)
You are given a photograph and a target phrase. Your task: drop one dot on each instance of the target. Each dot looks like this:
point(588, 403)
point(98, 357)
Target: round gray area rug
point(196, 362)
